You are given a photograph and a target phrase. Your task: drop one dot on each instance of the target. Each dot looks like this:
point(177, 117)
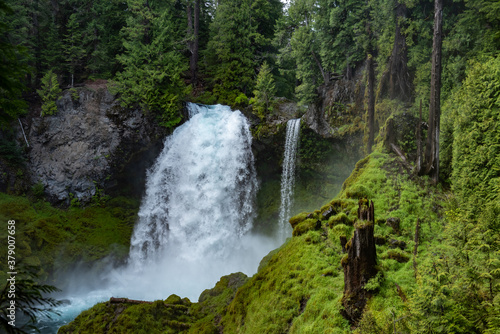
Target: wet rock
point(330, 211)
point(380, 240)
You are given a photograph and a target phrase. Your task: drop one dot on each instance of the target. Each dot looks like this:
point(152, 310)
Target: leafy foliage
point(30, 299)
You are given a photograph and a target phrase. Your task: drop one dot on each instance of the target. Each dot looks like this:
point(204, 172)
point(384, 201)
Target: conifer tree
point(73, 46)
point(265, 90)
point(152, 63)
point(49, 93)
point(52, 52)
point(239, 37)
point(13, 68)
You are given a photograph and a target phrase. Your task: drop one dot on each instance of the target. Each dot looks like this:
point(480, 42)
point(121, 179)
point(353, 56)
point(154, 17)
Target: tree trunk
point(359, 264)
point(432, 143)
point(415, 248)
point(194, 56)
point(371, 102)
point(399, 78)
point(324, 74)
point(418, 136)
point(395, 80)
point(193, 41)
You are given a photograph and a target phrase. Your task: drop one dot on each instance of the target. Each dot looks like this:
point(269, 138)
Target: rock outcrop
point(329, 112)
point(91, 143)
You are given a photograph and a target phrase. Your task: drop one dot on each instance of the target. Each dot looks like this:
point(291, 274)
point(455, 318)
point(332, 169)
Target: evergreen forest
point(426, 113)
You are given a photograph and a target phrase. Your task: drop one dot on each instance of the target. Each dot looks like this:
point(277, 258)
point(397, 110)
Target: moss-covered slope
point(299, 287)
point(55, 240)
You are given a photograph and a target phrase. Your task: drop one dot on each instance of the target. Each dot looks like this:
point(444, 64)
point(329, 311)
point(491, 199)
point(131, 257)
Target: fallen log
point(114, 300)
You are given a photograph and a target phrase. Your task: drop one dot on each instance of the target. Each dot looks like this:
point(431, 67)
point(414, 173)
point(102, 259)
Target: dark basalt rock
point(92, 143)
point(393, 243)
point(330, 211)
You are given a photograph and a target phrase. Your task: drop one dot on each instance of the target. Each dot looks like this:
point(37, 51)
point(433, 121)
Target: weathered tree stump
point(359, 265)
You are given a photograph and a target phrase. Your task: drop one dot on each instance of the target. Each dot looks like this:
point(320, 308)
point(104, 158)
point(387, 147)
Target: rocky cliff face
point(339, 103)
point(91, 143)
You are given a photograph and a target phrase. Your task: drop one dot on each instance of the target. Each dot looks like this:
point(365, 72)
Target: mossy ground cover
point(56, 239)
point(299, 287)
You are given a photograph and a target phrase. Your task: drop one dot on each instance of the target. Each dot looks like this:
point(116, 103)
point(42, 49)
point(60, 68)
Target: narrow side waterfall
point(200, 193)
point(288, 176)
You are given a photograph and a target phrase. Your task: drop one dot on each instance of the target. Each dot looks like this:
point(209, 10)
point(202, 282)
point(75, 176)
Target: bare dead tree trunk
point(415, 248)
point(359, 264)
point(371, 102)
point(196, 44)
point(396, 79)
point(418, 136)
point(324, 74)
point(432, 143)
point(399, 79)
point(189, 14)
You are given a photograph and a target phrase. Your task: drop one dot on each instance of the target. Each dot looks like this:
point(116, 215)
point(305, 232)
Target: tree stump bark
point(359, 265)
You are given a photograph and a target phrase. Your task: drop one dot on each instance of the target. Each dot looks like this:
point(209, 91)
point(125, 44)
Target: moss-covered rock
point(305, 226)
point(297, 219)
point(340, 218)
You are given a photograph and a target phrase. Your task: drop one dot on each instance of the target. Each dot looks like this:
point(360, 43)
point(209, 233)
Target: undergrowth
point(54, 239)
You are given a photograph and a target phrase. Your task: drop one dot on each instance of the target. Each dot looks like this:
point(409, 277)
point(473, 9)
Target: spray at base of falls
point(288, 176)
point(195, 219)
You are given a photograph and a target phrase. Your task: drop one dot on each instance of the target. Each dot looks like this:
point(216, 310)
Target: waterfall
point(194, 221)
point(200, 192)
point(288, 176)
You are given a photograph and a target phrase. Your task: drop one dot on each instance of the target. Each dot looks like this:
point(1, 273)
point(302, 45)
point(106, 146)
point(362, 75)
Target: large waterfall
point(288, 176)
point(194, 222)
point(200, 193)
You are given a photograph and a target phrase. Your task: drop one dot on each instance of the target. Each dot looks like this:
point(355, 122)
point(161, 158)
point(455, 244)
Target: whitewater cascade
point(288, 176)
point(194, 222)
point(200, 192)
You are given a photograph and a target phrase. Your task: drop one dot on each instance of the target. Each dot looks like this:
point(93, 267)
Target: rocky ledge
point(91, 144)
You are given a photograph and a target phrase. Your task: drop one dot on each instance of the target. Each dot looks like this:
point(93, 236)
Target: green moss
point(296, 220)
point(290, 293)
point(57, 238)
point(340, 218)
point(358, 191)
point(305, 226)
